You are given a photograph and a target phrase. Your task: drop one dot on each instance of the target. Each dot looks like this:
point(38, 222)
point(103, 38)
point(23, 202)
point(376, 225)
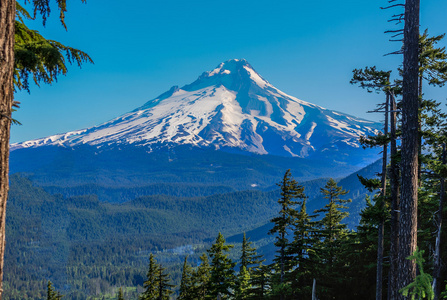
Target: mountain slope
point(231, 108)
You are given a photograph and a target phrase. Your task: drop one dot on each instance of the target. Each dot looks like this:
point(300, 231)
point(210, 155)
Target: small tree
point(222, 279)
point(421, 286)
point(201, 278)
point(332, 233)
point(164, 287)
point(243, 284)
point(186, 283)
point(151, 284)
point(120, 295)
point(301, 249)
point(249, 257)
point(51, 292)
point(259, 281)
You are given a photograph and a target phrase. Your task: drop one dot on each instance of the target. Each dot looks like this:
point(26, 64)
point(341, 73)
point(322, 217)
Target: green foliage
point(151, 284)
point(120, 295)
point(331, 227)
point(259, 281)
point(249, 257)
point(201, 279)
point(165, 289)
point(95, 247)
point(432, 60)
point(222, 278)
point(332, 237)
point(249, 261)
point(284, 222)
point(421, 287)
point(52, 294)
point(370, 183)
point(371, 79)
point(301, 249)
point(186, 283)
point(243, 287)
point(37, 56)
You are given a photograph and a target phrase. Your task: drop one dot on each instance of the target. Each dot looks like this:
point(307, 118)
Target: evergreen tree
point(151, 284)
point(301, 249)
point(432, 61)
point(259, 282)
point(120, 295)
point(164, 289)
point(185, 292)
point(379, 81)
point(332, 234)
point(290, 191)
point(201, 279)
point(361, 258)
point(243, 287)
point(222, 278)
point(51, 292)
point(421, 286)
point(249, 257)
point(432, 139)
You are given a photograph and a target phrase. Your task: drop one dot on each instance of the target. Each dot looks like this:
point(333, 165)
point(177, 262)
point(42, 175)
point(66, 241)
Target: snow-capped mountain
point(231, 107)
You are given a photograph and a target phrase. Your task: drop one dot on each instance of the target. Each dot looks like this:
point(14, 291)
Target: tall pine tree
point(283, 224)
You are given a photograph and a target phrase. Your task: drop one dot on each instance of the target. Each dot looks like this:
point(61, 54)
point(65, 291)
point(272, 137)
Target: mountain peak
point(234, 74)
point(232, 65)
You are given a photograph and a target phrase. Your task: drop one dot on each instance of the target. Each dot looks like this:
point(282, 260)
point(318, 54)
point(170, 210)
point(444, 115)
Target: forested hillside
point(88, 247)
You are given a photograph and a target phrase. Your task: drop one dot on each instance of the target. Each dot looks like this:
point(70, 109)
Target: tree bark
point(420, 81)
point(379, 274)
point(394, 187)
point(409, 161)
point(7, 19)
point(437, 255)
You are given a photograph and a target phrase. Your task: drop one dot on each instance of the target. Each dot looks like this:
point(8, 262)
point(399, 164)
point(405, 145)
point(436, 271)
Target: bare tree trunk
point(420, 81)
point(437, 254)
point(394, 186)
point(314, 290)
point(409, 161)
point(379, 274)
point(7, 19)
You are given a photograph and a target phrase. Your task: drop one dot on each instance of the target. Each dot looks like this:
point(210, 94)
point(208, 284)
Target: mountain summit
point(230, 108)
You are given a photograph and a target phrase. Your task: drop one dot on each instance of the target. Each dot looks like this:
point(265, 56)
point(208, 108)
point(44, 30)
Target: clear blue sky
point(141, 48)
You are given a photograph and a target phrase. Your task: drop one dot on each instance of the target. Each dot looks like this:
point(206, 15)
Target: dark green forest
point(154, 247)
point(88, 247)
